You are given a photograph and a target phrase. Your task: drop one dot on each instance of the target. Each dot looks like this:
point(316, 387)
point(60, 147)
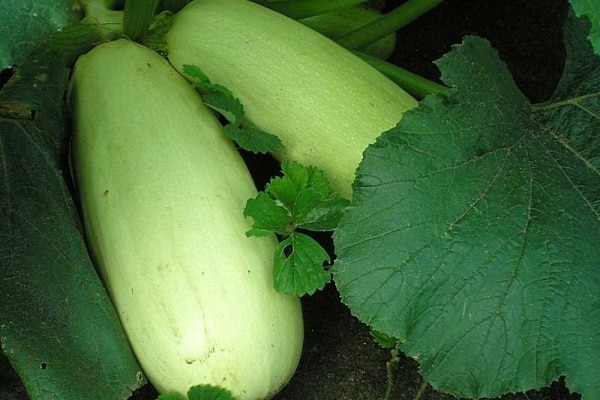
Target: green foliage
point(474, 229)
point(208, 392)
point(25, 24)
point(300, 199)
point(383, 340)
point(57, 326)
point(220, 99)
point(201, 392)
point(591, 10)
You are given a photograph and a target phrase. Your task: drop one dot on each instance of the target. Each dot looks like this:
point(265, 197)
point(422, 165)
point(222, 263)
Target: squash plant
point(493, 289)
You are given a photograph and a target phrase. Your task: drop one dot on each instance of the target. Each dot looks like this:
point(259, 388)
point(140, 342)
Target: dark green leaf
point(269, 216)
point(474, 231)
point(208, 392)
point(57, 326)
point(26, 24)
point(298, 265)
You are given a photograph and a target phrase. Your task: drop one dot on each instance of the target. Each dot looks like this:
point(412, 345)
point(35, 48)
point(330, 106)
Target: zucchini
point(325, 104)
point(163, 193)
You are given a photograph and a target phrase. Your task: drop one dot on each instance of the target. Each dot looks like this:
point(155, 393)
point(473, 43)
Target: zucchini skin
point(326, 104)
point(163, 193)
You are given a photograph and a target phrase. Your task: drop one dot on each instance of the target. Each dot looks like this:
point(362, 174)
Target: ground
point(340, 360)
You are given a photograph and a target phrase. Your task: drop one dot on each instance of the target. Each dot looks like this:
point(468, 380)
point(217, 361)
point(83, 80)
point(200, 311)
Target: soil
point(340, 360)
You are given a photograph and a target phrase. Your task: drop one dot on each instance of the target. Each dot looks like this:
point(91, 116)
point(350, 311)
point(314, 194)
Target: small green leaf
point(321, 214)
point(223, 102)
point(306, 177)
point(305, 192)
point(268, 215)
point(194, 72)
point(383, 340)
point(217, 97)
point(249, 137)
point(298, 265)
point(300, 199)
point(209, 392)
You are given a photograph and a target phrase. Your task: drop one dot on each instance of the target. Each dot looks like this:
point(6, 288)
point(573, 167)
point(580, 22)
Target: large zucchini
point(162, 193)
point(326, 104)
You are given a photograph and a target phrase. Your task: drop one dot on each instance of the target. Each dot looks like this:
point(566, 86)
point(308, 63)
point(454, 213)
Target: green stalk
point(137, 16)
point(99, 24)
point(388, 23)
point(298, 9)
point(416, 85)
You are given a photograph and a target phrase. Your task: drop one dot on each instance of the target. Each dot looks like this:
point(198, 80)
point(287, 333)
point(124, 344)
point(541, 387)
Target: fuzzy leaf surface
point(474, 231)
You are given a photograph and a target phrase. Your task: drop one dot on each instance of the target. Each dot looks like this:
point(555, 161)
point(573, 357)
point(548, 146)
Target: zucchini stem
point(414, 84)
point(386, 24)
point(298, 9)
point(99, 24)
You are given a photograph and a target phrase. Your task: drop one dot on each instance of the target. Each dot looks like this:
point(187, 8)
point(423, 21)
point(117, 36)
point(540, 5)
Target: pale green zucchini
point(326, 104)
point(163, 193)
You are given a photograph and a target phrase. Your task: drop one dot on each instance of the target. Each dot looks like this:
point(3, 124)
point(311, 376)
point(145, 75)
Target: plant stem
point(394, 360)
point(416, 85)
point(569, 102)
point(137, 16)
point(422, 390)
point(298, 9)
point(99, 24)
point(386, 24)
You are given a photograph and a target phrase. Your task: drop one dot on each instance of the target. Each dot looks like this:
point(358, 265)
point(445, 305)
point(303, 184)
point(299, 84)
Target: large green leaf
point(57, 326)
point(474, 231)
point(24, 24)
point(591, 10)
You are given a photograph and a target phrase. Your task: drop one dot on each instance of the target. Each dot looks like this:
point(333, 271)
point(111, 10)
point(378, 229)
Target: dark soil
point(340, 360)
